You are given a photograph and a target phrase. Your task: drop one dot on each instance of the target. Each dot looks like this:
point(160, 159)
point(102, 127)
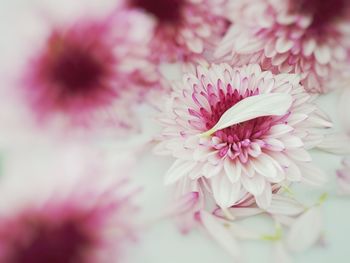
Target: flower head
point(86, 72)
point(307, 37)
point(183, 29)
point(82, 214)
point(240, 133)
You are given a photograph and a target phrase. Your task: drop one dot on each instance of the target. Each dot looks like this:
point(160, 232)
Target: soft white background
point(162, 243)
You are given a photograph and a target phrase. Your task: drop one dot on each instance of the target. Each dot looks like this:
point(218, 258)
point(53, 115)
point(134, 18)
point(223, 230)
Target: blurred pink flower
point(241, 133)
point(88, 72)
point(309, 37)
point(79, 212)
point(183, 29)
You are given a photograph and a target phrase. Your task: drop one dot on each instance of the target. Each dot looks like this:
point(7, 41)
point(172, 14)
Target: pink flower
point(238, 133)
point(183, 29)
point(308, 37)
point(71, 214)
point(88, 72)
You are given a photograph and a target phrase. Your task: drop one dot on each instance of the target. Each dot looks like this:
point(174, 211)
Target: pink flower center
point(323, 11)
point(248, 130)
point(75, 70)
point(41, 240)
point(166, 11)
point(73, 73)
point(236, 140)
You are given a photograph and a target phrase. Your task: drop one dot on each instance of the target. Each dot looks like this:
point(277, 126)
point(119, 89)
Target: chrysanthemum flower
point(309, 37)
point(88, 72)
point(239, 133)
point(183, 29)
point(80, 214)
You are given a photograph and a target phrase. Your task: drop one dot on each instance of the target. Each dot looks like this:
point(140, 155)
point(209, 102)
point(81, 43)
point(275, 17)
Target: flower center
point(241, 132)
point(166, 11)
point(54, 242)
point(76, 70)
point(73, 67)
point(74, 73)
point(323, 11)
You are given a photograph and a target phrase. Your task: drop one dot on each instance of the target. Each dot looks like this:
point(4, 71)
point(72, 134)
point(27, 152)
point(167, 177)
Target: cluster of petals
point(81, 213)
point(87, 71)
point(182, 29)
point(253, 158)
point(292, 220)
point(307, 37)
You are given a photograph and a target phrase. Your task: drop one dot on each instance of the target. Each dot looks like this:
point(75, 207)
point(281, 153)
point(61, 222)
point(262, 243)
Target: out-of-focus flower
point(343, 177)
point(241, 133)
point(309, 37)
point(183, 29)
point(78, 212)
point(89, 71)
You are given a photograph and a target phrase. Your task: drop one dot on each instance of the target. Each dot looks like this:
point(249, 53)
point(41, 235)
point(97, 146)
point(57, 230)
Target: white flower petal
point(179, 169)
point(251, 108)
point(264, 165)
point(305, 231)
point(284, 205)
point(221, 235)
point(312, 175)
point(254, 185)
point(283, 44)
point(299, 154)
point(279, 130)
point(291, 141)
point(233, 170)
point(293, 172)
point(337, 143)
point(225, 193)
point(323, 54)
point(264, 199)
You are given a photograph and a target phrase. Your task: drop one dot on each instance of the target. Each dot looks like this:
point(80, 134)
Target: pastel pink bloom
point(308, 37)
point(254, 156)
point(79, 215)
point(183, 29)
point(89, 71)
point(343, 177)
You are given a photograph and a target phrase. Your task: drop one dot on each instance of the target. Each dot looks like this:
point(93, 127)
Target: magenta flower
point(80, 214)
point(87, 73)
point(308, 37)
point(238, 133)
point(183, 29)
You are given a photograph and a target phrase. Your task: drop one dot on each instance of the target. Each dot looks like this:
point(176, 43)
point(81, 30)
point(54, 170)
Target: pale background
point(162, 243)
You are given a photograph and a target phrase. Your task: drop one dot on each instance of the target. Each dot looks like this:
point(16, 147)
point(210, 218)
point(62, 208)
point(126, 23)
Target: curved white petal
point(251, 108)
point(264, 199)
point(232, 170)
point(254, 185)
point(225, 193)
point(283, 205)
